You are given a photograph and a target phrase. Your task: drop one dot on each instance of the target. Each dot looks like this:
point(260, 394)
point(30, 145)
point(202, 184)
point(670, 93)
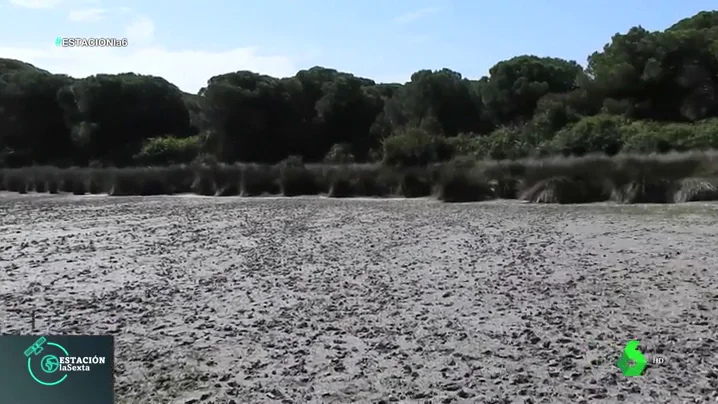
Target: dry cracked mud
point(314, 300)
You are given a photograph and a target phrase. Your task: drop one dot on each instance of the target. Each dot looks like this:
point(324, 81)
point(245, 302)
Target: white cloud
point(141, 30)
point(49, 4)
point(89, 15)
point(417, 14)
point(35, 3)
point(189, 69)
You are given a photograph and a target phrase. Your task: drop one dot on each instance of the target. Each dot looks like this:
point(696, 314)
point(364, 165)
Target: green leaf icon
point(632, 354)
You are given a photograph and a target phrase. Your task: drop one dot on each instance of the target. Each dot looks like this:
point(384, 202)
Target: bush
point(340, 184)
point(180, 178)
point(167, 150)
point(259, 179)
point(565, 190)
point(228, 180)
point(646, 137)
point(696, 189)
point(626, 178)
point(145, 181)
point(204, 183)
point(505, 177)
point(415, 183)
point(295, 179)
point(504, 143)
point(594, 134)
point(74, 181)
point(339, 154)
point(461, 182)
point(15, 181)
point(415, 147)
point(363, 180)
point(644, 190)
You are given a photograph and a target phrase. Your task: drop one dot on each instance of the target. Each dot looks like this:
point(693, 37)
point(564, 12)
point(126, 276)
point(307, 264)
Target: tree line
point(645, 91)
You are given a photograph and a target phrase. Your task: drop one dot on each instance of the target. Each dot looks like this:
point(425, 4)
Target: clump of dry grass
point(644, 190)
point(415, 183)
point(228, 179)
point(362, 180)
point(564, 190)
point(74, 181)
point(296, 179)
point(180, 178)
point(504, 177)
point(204, 180)
point(259, 179)
point(676, 177)
point(98, 181)
point(15, 180)
point(340, 184)
point(696, 189)
point(144, 181)
point(463, 181)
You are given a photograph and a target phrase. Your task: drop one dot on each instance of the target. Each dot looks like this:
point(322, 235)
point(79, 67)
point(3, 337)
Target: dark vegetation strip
point(667, 178)
point(644, 92)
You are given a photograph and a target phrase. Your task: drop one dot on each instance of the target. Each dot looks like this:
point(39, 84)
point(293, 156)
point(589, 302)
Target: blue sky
point(386, 40)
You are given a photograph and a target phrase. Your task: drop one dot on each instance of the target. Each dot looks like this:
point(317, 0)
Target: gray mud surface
point(338, 301)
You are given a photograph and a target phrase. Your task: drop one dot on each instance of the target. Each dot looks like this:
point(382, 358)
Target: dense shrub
point(145, 181)
point(696, 189)
point(339, 154)
point(204, 179)
point(645, 190)
point(296, 179)
point(504, 143)
point(463, 181)
point(595, 134)
point(168, 150)
point(565, 190)
point(415, 147)
point(75, 181)
point(228, 179)
point(260, 179)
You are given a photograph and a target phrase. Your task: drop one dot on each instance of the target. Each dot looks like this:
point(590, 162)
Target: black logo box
point(36, 369)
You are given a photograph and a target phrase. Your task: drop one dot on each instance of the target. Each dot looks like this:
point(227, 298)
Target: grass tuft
point(228, 180)
point(463, 182)
point(16, 181)
point(644, 190)
point(259, 179)
point(565, 190)
point(670, 178)
point(415, 183)
point(204, 180)
point(696, 189)
point(295, 179)
point(74, 181)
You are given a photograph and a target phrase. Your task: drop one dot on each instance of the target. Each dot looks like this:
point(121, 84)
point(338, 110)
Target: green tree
point(516, 85)
point(112, 115)
point(32, 125)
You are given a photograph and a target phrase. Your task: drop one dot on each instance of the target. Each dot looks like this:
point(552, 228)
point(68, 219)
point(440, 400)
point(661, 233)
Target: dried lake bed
point(316, 300)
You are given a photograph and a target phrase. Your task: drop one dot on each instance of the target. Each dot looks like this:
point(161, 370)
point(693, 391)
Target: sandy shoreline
point(226, 300)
